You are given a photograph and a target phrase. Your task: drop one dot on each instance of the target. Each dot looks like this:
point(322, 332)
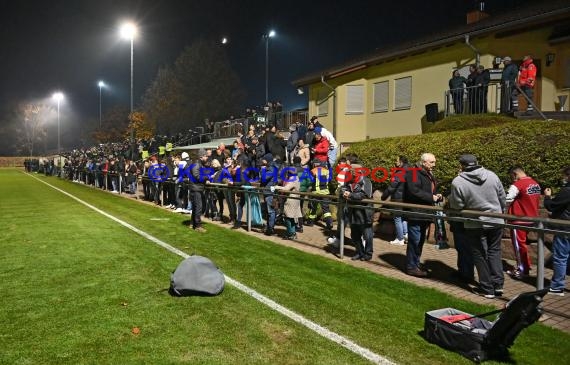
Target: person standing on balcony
point(482, 82)
point(456, 87)
point(472, 89)
point(527, 80)
point(509, 95)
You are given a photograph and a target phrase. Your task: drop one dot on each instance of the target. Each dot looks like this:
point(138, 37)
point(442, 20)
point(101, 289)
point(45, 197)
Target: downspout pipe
point(475, 50)
point(334, 105)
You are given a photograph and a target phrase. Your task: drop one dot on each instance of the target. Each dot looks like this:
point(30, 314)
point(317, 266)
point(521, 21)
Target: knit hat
point(184, 155)
point(468, 160)
point(318, 130)
point(202, 152)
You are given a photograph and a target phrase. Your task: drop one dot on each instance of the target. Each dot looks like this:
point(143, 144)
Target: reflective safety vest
point(169, 147)
point(321, 176)
point(527, 73)
point(144, 154)
point(161, 150)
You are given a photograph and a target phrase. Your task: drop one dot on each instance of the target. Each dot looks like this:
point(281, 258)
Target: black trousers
point(486, 249)
point(196, 197)
point(358, 233)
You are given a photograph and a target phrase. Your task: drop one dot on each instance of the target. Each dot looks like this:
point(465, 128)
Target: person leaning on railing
point(559, 208)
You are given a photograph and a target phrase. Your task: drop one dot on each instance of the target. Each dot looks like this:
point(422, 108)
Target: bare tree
point(31, 126)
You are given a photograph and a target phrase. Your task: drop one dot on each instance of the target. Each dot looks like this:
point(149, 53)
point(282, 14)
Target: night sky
point(70, 45)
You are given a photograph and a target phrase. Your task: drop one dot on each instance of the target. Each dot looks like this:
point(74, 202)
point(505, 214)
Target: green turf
point(66, 272)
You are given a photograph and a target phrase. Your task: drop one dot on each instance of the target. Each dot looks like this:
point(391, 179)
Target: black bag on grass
point(478, 339)
point(196, 275)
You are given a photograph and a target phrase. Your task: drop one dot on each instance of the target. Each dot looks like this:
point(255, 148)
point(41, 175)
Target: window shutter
point(354, 99)
point(381, 96)
point(322, 102)
point(403, 93)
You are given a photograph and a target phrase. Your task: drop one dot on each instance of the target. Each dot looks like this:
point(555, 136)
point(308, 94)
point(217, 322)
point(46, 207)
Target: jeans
point(270, 211)
point(560, 255)
point(290, 224)
point(332, 156)
point(401, 227)
point(416, 239)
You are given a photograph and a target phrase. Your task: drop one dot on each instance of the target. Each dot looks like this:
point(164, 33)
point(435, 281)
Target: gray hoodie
point(477, 188)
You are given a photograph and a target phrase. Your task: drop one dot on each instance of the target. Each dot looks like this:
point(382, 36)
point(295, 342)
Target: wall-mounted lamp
point(549, 59)
point(300, 91)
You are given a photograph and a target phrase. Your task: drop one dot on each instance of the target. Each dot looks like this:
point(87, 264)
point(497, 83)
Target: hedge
point(541, 148)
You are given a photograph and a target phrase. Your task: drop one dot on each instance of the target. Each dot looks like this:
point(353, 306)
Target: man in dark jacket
point(457, 87)
point(559, 207)
point(420, 188)
point(361, 233)
point(509, 94)
point(292, 142)
point(482, 82)
point(257, 150)
point(197, 180)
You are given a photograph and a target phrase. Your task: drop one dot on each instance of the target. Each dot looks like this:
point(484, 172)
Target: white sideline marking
point(324, 332)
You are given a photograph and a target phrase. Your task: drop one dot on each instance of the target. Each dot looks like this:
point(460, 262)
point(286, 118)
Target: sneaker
point(517, 274)
point(499, 292)
point(559, 292)
point(481, 293)
point(178, 210)
point(397, 242)
point(417, 272)
point(333, 240)
point(290, 237)
point(406, 237)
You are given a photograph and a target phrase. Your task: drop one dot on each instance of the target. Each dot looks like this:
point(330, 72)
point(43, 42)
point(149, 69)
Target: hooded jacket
point(477, 188)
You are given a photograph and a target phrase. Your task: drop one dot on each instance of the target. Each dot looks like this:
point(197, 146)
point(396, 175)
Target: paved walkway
point(389, 260)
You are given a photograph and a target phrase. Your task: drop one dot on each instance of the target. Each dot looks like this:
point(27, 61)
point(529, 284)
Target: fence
point(475, 99)
point(541, 226)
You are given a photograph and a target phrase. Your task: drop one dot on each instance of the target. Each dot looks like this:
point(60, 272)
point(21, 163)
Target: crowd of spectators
point(300, 161)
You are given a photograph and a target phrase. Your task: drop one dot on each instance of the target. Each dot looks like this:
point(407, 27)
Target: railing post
point(340, 217)
point(106, 176)
point(248, 195)
point(120, 183)
point(540, 258)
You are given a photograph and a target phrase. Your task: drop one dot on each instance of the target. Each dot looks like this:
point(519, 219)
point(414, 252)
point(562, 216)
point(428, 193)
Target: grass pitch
point(74, 285)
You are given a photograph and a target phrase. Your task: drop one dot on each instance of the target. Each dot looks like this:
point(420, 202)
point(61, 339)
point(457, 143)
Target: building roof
point(542, 12)
point(207, 145)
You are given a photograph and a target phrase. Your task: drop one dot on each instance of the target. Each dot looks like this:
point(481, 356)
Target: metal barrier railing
point(473, 100)
point(539, 225)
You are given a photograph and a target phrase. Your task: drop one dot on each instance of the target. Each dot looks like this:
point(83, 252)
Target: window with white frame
point(322, 102)
point(354, 99)
point(403, 93)
point(381, 96)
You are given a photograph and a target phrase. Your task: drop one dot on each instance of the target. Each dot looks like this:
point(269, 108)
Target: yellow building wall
point(430, 72)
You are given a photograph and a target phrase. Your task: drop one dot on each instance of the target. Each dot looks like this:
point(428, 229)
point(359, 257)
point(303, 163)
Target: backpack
point(196, 275)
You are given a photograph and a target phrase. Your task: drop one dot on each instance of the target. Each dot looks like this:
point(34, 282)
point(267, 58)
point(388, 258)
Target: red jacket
point(322, 149)
point(527, 73)
point(526, 193)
